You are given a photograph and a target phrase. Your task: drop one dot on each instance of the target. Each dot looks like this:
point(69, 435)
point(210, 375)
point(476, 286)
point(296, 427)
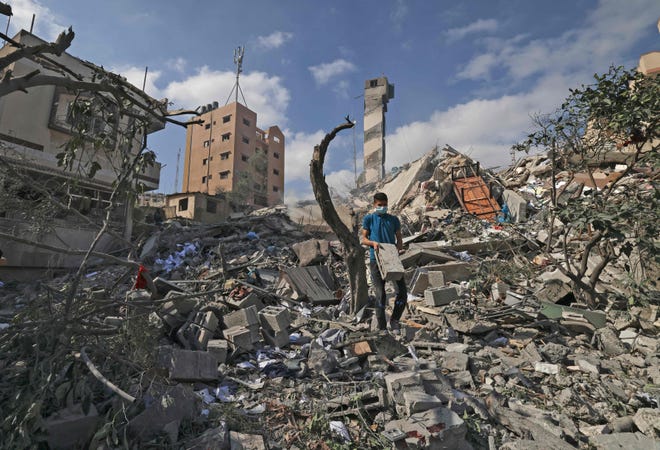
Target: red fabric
point(141, 281)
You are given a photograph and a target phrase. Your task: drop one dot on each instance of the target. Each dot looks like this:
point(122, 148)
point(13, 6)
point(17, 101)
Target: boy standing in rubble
point(381, 227)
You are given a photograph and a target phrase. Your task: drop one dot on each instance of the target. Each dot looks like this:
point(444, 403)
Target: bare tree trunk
point(354, 252)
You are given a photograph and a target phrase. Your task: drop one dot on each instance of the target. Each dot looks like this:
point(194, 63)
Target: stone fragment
point(646, 345)
point(609, 342)
point(555, 353)
point(498, 291)
point(587, 366)
point(312, 251)
point(440, 296)
point(71, 427)
point(549, 369)
point(624, 441)
point(647, 420)
point(454, 361)
point(241, 441)
point(628, 336)
point(216, 438)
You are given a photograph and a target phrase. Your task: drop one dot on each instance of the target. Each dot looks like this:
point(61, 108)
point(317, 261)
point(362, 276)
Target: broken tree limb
point(99, 376)
point(355, 253)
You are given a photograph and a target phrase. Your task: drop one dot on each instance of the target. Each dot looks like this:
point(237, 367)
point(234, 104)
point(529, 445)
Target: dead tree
point(354, 251)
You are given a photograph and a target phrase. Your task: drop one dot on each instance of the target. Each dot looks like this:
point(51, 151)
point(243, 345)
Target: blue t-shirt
point(381, 228)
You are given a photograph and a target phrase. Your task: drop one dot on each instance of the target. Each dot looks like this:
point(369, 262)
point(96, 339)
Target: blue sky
point(469, 74)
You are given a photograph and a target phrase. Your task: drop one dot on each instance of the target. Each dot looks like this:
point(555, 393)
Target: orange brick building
point(229, 153)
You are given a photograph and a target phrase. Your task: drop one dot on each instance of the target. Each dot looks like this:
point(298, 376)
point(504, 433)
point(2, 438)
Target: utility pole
point(176, 176)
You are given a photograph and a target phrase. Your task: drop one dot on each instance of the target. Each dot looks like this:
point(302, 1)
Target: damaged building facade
point(32, 147)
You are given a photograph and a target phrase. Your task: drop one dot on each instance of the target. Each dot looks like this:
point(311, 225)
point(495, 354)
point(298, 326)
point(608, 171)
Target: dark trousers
point(379, 289)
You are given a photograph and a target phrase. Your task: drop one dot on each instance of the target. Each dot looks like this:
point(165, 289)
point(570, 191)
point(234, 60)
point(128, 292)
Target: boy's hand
point(375, 246)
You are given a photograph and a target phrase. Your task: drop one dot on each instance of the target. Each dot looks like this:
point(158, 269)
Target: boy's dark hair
point(380, 196)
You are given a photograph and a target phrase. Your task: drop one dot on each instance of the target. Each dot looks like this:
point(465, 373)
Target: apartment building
point(228, 153)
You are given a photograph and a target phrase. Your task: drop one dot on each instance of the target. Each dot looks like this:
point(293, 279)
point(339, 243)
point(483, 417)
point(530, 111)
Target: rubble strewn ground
point(240, 336)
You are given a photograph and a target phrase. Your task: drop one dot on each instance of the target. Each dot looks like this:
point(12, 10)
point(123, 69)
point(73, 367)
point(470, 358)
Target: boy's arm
point(366, 241)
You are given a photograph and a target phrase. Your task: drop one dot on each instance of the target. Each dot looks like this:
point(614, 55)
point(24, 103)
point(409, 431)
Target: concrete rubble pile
point(256, 348)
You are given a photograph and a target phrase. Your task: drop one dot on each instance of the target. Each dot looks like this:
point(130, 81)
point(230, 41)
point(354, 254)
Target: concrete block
point(388, 261)
point(397, 382)
point(190, 365)
point(446, 428)
point(219, 348)
point(251, 299)
point(453, 271)
point(242, 337)
point(245, 317)
point(207, 324)
point(436, 278)
point(274, 338)
point(275, 318)
point(420, 282)
point(440, 296)
point(71, 427)
point(417, 401)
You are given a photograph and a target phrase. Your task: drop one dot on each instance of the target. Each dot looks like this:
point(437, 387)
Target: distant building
point(649, 63)
point(228, 153)
point(377, 93)
point(197, 206)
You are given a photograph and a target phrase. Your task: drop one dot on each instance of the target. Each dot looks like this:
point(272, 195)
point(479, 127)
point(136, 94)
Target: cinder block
point(436, 279)
point(273, 338)
point(440, 296)
point(418, 401)
point(207, 323)
point(397, 382)
point(219, 348)
point(191, 365)
point(251, 299)
point(420, 281)
point(242, 337)
point(389, 263)
point(245, 317)
point(275, 318)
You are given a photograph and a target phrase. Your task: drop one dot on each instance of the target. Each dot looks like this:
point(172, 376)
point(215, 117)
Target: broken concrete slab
point(312, 251)
point(647, 420)
point(553, 311)
point(417, 401)
point(440, 296)
point(71, 427)
point(624, 441)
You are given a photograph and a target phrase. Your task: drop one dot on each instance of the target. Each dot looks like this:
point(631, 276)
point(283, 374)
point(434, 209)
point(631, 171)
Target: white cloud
point(399, 13)
point(342, 89)
point(47, 24)
point(265, 94)
point(135, 76)
point(478, 26)
point(178, 64)
point(605, 36)
point(299, 149)
point(274, 40)
point(485, 129)
point(323, 73)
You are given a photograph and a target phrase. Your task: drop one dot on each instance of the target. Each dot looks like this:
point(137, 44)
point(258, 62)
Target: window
point(183, 204)
point(245, 158)
point(204, 180)
point(276, 139)
point(207, 143)
point(226, 118)
point(204, 161)
point(276, 155)
point(246, 122)
point(211, 206)
point(224, 175)
point(245, 140)
point(276, 189)
point(226, 136)
point(207, 126)
point(276, 172)
point(224, 155)
point(373, 83)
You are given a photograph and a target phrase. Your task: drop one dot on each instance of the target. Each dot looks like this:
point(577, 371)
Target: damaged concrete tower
point(377, 93)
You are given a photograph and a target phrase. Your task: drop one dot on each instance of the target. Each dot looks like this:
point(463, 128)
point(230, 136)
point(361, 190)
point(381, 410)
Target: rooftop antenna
point(239, 52)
